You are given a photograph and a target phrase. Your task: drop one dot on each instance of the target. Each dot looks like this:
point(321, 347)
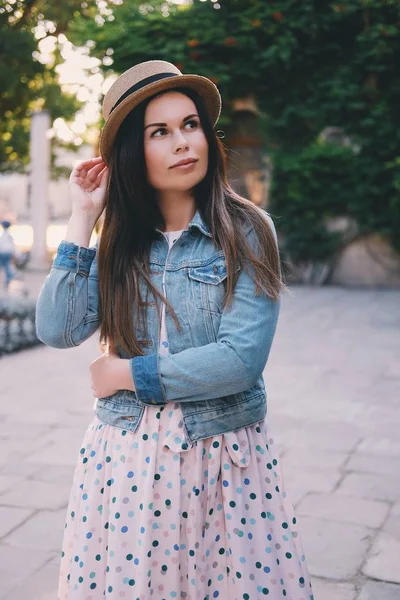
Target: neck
point(178, 209)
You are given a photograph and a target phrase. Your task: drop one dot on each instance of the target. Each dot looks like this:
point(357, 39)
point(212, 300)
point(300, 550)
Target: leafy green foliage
point(26, 84)
point(309, 64)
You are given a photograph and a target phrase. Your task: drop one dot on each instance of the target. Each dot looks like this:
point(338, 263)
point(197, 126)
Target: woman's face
point(173, 133)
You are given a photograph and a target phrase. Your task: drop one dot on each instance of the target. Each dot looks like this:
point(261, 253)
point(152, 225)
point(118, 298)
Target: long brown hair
point(132, 215)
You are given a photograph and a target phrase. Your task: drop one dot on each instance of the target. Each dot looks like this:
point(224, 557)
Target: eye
point(192, 122)
point(156, 131)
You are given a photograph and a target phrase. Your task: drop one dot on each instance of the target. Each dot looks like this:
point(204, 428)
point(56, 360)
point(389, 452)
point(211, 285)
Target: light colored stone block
point(67, 435)
point(16, 567)
point(332, 590)
point(310, 479)
point(392, 524)
point(11, 517)
point(381, 446)
point(370, 463)
point(376, 590)
point(55, 474)
point(19, 468)
point(304, 458)
point(345, 509)
point(383, 561)
point(43, 531)
point(42, 585)
point(321, 435)
point(36, 494)
point(63, 453)
point(367, 485)
point(17, 449)
point(7, 482)
point(333, 550)
point(48, 417)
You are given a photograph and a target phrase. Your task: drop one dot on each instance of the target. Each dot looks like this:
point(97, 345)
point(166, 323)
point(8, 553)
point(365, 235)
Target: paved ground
point(334, 406)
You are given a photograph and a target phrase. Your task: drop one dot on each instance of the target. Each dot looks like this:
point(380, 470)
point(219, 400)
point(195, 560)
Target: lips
point(186, 161)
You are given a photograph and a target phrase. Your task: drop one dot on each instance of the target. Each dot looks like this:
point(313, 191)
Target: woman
point(177, 492)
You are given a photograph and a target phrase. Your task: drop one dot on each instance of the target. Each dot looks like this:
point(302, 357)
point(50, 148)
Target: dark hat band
point(141, 84)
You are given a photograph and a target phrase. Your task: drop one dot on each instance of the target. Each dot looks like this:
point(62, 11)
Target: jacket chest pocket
point(208, 284)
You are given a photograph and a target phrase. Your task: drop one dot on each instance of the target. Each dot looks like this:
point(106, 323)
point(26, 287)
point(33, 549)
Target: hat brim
point(203, 86)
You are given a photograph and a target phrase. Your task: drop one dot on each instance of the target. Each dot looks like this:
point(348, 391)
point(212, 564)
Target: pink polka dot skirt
point(153, 516)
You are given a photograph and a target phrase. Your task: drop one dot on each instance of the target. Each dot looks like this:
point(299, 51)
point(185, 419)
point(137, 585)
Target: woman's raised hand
point(88, 183)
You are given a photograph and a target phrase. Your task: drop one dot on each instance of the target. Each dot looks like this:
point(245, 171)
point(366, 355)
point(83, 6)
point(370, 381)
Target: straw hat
point(143, 80)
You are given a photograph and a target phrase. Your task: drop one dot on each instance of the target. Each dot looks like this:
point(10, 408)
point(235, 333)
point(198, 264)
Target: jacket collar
point(198, 222)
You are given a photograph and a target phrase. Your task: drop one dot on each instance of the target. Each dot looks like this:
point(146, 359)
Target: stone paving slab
point(63, 454)
point(334, 550)
point(12, 517)
point(18, 566)
point(41, 586)
point(382, 446)
point(392, 524)
point(305, 458)
point(367, 485)
point(376, 590)
point(7, 482)
point(383, 561)
point(43, 531)
point(370, 463)
point(314, 480)
point(328, 590)
point(344, 509)
point(49, 473)
point(36, 494)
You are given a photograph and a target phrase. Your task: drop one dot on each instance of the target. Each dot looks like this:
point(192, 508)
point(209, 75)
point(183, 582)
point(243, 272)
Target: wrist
point(83, 218)
point(124, 380)
point(80, 228)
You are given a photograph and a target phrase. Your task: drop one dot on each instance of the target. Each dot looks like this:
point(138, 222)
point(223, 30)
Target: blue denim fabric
point(215, 363)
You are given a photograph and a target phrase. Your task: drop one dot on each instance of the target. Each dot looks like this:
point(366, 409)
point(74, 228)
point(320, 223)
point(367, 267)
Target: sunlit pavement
point(333, 384)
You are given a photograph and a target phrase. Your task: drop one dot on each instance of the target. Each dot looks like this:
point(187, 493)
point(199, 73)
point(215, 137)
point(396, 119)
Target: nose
point(180, 142)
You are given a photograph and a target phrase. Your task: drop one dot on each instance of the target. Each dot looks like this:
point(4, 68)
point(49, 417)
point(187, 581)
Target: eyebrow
point(164, 124)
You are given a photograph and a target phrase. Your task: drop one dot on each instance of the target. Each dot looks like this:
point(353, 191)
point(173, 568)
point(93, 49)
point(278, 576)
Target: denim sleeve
point(232, 364)
point(67, 310)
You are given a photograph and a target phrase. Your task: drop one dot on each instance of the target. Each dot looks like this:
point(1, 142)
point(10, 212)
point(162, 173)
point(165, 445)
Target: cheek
point(155, 164)
point(203, 148)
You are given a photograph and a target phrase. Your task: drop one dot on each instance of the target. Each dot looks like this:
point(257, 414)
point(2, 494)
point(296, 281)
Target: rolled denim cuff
point(72, 257)
point(145, 375)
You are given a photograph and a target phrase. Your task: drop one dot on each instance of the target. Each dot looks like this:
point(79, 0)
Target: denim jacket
point(215, 364)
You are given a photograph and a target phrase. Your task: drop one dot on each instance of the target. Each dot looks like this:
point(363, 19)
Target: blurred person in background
point(7, 253)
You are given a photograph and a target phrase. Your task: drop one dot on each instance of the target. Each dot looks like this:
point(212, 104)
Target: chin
point(186, 183)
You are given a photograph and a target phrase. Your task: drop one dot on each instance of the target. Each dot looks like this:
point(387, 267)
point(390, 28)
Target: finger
point(86, 164)
point(93, 172)
point(102, 177)
point(82, 169)
point(96, 167)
